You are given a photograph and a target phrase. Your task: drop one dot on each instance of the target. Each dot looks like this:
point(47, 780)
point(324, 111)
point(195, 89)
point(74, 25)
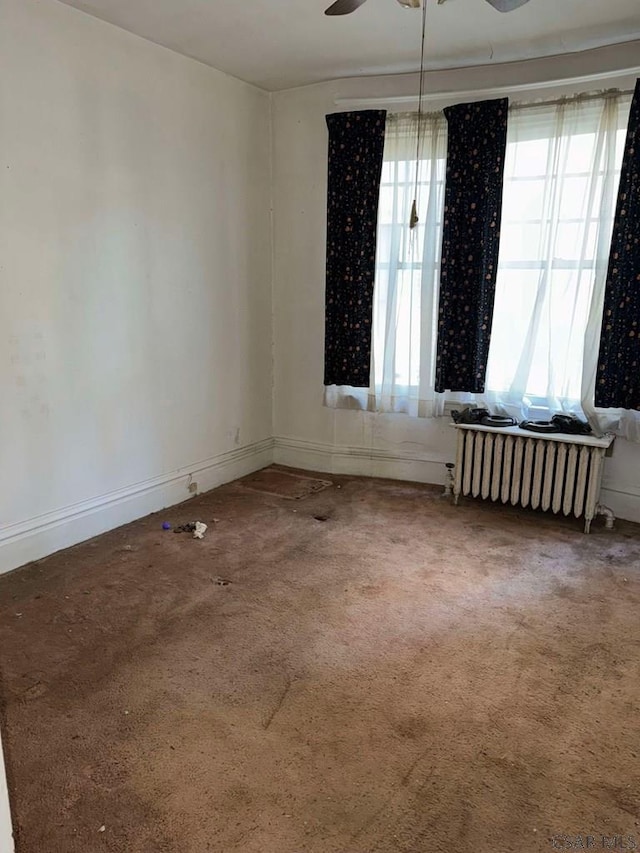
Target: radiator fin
point(505, 489)
point(570, 480)
point(477, 464)
point(516, 471)
point(469, 440)
point(558, 480)
point(497, 469)
point(548, 479)
point(538, 471)
point(527, 473)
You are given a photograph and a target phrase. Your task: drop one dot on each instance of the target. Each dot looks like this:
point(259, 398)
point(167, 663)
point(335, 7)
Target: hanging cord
point(414, 219)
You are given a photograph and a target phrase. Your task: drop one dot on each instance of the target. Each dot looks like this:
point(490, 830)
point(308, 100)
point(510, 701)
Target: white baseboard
point(6, 832)
point(37, 537)
point(359, 461)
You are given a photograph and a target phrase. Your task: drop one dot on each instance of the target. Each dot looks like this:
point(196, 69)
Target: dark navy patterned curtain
point(356, 142)
point(476, 147)
point(618, 377)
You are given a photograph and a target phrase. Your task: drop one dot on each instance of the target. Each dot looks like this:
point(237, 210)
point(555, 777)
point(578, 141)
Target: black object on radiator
point(567, 424)
point(481, 417)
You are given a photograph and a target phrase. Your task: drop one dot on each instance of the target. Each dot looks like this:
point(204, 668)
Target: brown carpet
point(404, 676)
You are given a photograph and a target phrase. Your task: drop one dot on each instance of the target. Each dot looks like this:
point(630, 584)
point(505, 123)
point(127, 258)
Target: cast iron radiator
point(553, 472)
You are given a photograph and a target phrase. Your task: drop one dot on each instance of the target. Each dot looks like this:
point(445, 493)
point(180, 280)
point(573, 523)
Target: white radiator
point(556, 472)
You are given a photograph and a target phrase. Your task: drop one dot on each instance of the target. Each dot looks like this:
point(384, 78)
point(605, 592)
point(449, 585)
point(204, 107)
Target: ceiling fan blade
point(409, 4)
point(344, 7)
point(507, 5)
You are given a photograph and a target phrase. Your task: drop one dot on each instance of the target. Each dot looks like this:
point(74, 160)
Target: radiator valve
point(609, 517)
point(449, 479)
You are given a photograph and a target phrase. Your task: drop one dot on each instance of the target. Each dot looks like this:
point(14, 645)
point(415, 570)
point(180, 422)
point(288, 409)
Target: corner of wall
point(272, 271)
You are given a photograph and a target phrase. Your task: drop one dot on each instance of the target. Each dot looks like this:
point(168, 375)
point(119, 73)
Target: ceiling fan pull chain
point(414, 218)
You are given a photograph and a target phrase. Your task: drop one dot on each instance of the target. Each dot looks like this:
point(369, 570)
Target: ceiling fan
point(345, 7)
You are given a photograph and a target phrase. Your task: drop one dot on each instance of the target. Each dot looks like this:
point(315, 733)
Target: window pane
point(515, 298)
point(573, 196)
point(524, 201)
point(581, 148)
point(385, 206)
point(519, 242)
point(527, 158)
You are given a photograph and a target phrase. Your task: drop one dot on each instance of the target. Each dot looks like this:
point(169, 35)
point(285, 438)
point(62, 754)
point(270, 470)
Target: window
point(561, 176)
point(404, 259)
point(408, 265)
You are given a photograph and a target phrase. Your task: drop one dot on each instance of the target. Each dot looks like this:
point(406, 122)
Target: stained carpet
point(379, 671)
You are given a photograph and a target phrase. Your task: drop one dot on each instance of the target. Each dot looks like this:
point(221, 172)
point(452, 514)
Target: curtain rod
point(569, 99)
point(531, 105)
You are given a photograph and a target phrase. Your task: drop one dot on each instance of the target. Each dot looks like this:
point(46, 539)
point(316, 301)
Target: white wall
point(306, 433)
point(135, 277)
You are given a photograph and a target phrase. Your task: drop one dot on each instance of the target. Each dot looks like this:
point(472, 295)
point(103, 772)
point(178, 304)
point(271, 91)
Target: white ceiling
point(278, 44)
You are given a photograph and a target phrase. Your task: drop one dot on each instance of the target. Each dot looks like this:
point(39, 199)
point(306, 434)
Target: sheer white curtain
point(561, 179)
point(407, 272)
